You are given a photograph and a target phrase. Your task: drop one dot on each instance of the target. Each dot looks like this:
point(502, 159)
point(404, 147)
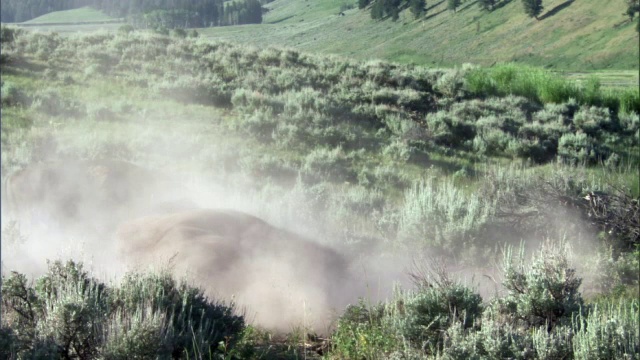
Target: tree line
point(147, 13)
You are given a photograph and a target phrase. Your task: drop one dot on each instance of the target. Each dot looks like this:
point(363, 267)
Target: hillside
point(80, 15)
point(581, 35)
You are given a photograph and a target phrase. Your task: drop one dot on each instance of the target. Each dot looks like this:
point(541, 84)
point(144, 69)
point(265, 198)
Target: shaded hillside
point(571, 35)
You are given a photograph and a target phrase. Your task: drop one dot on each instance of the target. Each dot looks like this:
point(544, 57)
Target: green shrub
point(195, 324)
point(451, 84)
point(578, 148)
point(8, 343)
point(329, 164)
point(440, 214)
point(51, 102)
point(544, 293)
point(12, 95)
point(362, 332)
point(179, 33)
point(610, 331)
point(615, 273)
point(71, 315)
point(594, 121)
point(432, 309)
point(126, 29)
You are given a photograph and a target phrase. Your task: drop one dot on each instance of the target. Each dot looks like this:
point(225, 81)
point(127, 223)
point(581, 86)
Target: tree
point(533, 8)
point(377, 10)
point(363, 3)
point(488, 5)
point(417, 7)
point(633, 6)
point(453, 4)
point(395, 13)
point(391, 8)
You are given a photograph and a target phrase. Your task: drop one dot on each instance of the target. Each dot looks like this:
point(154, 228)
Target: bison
point(285, 278)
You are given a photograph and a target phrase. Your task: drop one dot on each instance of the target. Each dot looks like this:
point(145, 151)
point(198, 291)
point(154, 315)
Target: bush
point(71, 315)
point(578, 148)
point(194, 325)
point(362, 332)
point(610, 331)
point(332, 165)
point(13, 95)
point(615, 273)
point(126, 29)
point(440, 215)
point(433, 309)
point(594, 121)
point(544, 293)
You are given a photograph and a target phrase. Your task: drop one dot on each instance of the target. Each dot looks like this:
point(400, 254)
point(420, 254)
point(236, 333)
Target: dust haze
point(204, 224)
point(116, 216)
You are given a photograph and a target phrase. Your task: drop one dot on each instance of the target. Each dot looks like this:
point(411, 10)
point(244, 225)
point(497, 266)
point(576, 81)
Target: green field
point(586, 35)
point(80, 15)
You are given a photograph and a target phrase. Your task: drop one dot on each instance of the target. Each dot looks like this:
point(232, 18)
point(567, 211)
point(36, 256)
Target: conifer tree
point(417, 7)
point(453, 4)
point(363, 3)
point(488, 5)
point(633, 6)
point(377, 10)
point(533, 8)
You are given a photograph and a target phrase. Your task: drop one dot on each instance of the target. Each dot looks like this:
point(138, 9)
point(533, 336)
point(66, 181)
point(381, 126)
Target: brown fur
point(235, 254)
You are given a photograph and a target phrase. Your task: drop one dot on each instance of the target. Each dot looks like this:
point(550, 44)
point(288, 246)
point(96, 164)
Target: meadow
point(436, 171)
point(572, 35)
point(80, 15)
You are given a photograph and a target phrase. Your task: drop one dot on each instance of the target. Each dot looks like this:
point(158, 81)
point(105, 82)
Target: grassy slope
point(84, 14)
point(585, 35)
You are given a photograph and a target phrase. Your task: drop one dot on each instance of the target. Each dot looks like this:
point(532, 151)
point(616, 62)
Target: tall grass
point(545, 87)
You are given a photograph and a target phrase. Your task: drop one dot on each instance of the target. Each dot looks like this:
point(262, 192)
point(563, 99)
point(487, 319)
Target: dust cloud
point(268, 257)
point(115, 217)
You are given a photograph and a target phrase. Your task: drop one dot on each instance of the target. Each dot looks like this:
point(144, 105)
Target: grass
point(80, 15)
point(609, 79)
point(545, 87)
point(585, 35)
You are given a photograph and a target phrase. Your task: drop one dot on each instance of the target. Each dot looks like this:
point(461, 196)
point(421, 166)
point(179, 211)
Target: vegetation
point(400, 158)
point(597, 41)
point(148, 14)
point(542, 316)
point(533, 8)
point(488, 4)
point(68, 314)
point(417, 7)
point(633, 7)
point(453, 4)
point(79, 15)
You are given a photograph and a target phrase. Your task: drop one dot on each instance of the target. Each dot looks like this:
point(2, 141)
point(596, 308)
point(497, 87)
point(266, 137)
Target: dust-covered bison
point(91, 193)
point(284, 279)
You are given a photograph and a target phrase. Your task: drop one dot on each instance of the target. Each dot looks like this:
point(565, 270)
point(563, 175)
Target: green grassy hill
point(80, 15)
point(584, 35)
